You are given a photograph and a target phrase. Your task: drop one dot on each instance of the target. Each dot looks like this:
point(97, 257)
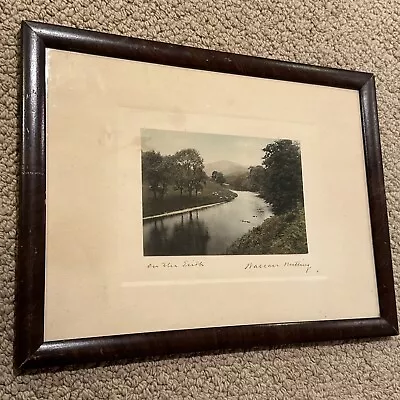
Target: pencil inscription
point(169, 265)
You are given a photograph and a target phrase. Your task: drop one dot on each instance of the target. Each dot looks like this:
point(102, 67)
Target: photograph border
point(31, 351)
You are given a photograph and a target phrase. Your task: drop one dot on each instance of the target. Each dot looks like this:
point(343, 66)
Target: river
point(207, 231)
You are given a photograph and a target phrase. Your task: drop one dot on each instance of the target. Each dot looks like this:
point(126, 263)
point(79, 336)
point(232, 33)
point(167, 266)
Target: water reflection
point(206, 231)
point(189, 236)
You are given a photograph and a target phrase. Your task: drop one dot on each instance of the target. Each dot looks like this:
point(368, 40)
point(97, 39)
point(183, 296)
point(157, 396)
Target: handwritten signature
point(297, 264)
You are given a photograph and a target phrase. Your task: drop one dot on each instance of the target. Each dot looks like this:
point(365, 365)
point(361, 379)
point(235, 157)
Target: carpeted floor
point(363, 35)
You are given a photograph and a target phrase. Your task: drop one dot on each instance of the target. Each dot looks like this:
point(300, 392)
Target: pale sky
point(243, 150)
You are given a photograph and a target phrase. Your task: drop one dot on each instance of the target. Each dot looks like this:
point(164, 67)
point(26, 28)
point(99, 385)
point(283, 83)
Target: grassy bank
point(173, 201)
point(281, 234)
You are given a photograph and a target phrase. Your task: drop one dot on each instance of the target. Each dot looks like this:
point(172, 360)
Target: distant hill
point(226, 167)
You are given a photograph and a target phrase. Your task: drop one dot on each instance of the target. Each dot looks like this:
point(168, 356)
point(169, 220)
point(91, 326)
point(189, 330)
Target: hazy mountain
point(226, 167)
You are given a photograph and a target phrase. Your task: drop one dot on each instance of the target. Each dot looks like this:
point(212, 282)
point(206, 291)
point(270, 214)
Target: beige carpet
point(359, 34)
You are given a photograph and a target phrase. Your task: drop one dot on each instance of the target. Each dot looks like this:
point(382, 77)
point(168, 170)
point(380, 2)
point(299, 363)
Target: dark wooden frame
point(30, 349)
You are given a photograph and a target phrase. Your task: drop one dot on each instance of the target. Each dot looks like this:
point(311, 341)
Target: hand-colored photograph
point(212, 194)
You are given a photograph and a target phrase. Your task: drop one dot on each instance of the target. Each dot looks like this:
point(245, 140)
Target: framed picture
point(180, 200)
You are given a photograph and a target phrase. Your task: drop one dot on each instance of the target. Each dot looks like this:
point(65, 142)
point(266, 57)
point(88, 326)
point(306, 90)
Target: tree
point(179, 174)
point(256, 178)
point(218, 177)
point(157, 171)
point(201, 180)
point(239, 181)
point(283, 186)
point(151, 163)
point(190, 174)
point(167, 171)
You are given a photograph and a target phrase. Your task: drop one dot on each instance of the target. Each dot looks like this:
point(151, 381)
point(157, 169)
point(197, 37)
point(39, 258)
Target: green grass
point(281, 234)
point(212, 193)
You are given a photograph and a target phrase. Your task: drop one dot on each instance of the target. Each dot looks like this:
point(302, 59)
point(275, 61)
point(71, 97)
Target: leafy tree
point(151, 165)
point(283, 187)
point(167, 172)
point(256, 179)
point(180, 175)
point(157, 171)
point(201, 181)
point(218, 177)
point(190, 174)
point(239, 181)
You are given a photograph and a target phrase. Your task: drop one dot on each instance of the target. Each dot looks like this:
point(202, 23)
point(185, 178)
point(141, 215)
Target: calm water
point(207, 231)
